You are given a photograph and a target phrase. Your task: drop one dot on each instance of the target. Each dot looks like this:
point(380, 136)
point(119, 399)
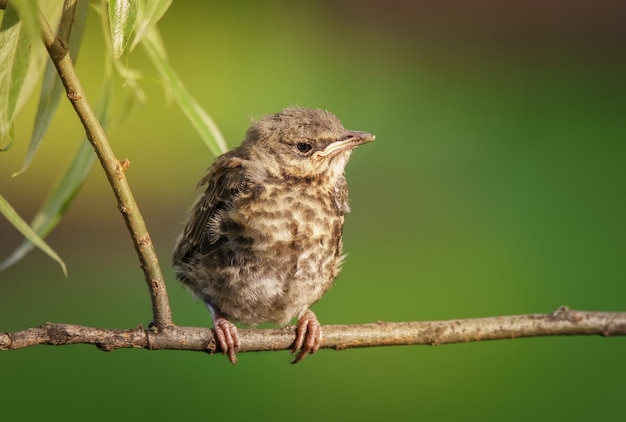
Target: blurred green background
point(496, 185)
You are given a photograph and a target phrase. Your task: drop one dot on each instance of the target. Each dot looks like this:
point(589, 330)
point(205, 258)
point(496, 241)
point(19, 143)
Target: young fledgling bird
point(263, 243)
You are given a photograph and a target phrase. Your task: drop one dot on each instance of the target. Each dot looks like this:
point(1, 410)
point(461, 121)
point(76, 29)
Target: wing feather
point(223, 181)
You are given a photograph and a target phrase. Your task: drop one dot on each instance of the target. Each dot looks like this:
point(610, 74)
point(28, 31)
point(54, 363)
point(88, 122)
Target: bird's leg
point(226, 335)
point(308, 336)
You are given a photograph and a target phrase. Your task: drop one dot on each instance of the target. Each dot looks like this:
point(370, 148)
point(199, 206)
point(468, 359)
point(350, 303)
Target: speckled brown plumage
point(263, 243)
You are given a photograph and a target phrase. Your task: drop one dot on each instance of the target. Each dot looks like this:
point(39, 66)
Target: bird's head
point(303, 143)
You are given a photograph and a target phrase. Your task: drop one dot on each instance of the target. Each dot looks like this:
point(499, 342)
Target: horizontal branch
point(562, 321)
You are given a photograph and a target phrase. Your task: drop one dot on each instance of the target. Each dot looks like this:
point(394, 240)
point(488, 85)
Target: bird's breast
point(289, 212)
point(283, 245)
point(297, 223)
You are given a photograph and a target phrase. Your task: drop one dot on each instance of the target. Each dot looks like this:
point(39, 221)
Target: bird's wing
point(223, 180)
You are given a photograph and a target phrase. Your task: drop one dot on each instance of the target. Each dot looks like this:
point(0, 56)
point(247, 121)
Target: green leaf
point(122, 21)
point(29, 17)
point(38, 53)
point(14, 56)
point(52, 87)
point(62, 195)
point(7, 210)
point(199, 118)
point(57, 202)
point(150, 12)
point(133, 93)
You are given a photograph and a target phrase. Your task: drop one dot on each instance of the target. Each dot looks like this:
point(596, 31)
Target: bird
point(263, 243)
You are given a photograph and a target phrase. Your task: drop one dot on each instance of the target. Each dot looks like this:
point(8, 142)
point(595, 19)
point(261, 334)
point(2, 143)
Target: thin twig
point(563, 321)
point(67, 21)
point(114, 169)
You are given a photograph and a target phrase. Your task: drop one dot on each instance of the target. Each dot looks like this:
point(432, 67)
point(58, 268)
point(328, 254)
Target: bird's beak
point(350, 140)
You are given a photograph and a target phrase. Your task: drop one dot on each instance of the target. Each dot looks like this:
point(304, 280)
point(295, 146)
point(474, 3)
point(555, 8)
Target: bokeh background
point(496, 186)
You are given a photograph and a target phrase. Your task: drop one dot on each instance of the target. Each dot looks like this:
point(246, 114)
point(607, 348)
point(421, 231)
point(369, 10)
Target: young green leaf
point(9, 212)
point(14, 56)
point(38, 53)
point(52, 87)
point(122, 21)
point(199, 118)
point(29, 17)
point(63, 193)
point(150, 12)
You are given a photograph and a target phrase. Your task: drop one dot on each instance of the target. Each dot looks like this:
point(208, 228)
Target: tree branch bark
point(114, 169)
point(563, 321)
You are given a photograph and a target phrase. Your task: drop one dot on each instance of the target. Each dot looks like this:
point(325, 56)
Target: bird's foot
point(227, 338)
point(308, 336)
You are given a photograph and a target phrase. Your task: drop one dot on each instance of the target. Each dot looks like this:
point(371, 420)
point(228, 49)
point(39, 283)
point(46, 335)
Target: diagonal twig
point(114, 169)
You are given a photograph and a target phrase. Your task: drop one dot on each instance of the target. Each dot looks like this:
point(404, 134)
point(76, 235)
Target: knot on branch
point(5, 341)
point(58, 334)
point(123, 165)
point(561, 312)
point(58, 50)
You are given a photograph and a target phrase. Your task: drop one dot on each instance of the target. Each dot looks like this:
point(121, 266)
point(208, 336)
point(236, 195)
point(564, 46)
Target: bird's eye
point(304, 147)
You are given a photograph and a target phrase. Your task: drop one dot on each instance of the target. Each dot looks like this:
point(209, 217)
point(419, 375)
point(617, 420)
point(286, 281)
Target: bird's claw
point(227, 338)
point(308, 336)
